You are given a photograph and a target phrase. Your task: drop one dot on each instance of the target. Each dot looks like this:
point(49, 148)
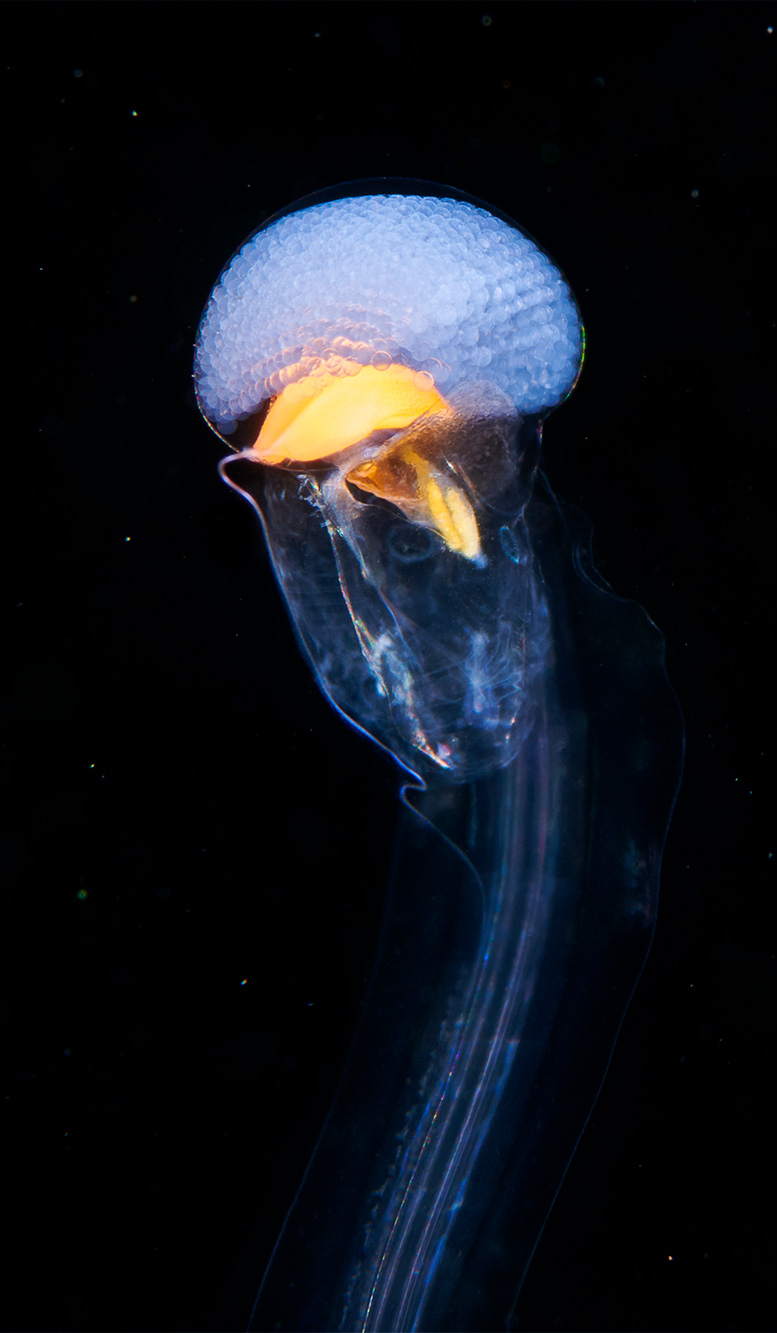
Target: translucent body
point(531, 708)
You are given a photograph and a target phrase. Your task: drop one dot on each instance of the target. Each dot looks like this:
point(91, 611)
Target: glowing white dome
point(432, 283)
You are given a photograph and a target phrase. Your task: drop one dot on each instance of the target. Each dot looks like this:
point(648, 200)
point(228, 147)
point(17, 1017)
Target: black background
point(193, 846)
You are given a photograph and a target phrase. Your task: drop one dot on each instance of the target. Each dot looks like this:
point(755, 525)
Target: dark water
point(194, 849)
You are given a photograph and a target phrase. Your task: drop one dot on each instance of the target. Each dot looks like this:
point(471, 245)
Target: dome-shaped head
point(438, 286)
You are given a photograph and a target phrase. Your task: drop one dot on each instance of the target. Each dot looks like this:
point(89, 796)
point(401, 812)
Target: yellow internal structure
point(425, 492)
point(321, 416)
